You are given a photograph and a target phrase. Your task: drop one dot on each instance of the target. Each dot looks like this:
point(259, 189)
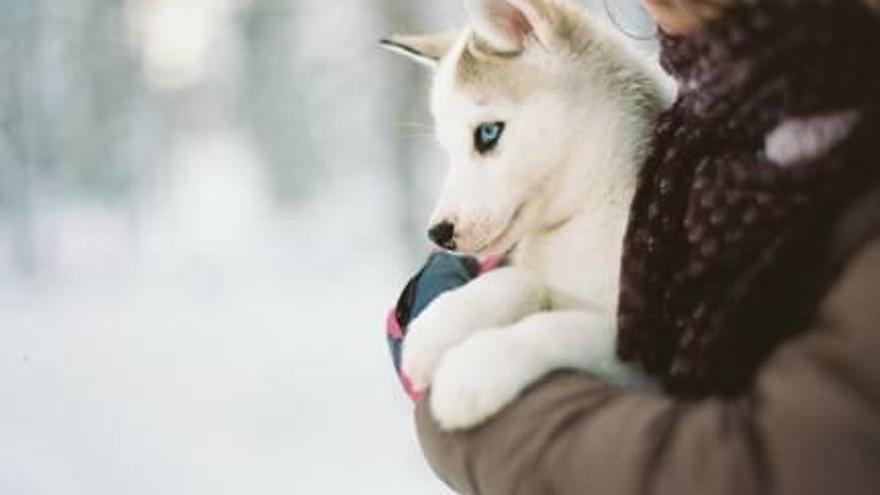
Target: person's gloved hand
point(442, 272)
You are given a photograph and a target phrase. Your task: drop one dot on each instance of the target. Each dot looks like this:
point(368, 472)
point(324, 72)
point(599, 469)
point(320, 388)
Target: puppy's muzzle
point(443, 235)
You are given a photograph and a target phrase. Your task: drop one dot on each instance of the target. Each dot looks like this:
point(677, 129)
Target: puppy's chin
point(498, 245)
point(507, 237)
point(504, 241)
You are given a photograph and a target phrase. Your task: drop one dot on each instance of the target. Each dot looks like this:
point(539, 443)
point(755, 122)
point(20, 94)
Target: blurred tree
point(409, 123)
point(75, 116)
point(274, 95)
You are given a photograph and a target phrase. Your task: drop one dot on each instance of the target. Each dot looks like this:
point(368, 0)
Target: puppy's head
point(502, 102)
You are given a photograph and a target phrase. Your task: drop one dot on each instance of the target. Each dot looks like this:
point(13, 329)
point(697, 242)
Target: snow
point(216, 346)
point(206, 334)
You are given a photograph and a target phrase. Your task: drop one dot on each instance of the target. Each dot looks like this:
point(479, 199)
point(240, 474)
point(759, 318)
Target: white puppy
point(546, 116)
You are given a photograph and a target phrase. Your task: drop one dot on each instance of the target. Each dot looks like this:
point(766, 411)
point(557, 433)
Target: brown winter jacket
point(809, 425)
point(807, 419)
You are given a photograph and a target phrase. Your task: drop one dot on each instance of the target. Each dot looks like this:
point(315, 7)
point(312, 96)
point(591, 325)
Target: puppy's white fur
point(578, 107)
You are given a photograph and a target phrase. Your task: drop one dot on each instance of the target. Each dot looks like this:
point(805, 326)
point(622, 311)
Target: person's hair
point(698, 8)
point(701, 8)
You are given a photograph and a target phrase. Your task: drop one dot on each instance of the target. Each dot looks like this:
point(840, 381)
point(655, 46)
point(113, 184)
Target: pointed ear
point(505, 24)
point(426, 49)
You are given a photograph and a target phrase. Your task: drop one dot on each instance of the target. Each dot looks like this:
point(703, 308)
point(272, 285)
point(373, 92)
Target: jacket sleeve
point(810, 425)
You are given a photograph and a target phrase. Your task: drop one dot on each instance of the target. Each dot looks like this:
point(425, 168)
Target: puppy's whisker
point(416, 135)
point(415, 125)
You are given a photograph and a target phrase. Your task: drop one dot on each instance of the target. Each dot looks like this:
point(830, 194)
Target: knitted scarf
point(725, 250)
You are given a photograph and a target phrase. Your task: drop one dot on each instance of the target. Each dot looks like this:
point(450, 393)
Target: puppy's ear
point(506, 24)
point(426, 49)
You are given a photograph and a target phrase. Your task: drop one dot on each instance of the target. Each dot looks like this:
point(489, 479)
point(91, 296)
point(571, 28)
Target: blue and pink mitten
point(442, 272)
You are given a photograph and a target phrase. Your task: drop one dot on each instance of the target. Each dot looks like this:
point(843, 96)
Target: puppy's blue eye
point(487, 135)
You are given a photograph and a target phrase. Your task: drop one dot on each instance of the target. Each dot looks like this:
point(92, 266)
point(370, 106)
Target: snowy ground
point(205, 340)
point(213, 346)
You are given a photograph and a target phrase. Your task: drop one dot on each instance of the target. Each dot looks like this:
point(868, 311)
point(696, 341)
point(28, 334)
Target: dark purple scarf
point(726, 251)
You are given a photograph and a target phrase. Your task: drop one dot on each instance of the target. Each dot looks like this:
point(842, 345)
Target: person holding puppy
point(748, 280)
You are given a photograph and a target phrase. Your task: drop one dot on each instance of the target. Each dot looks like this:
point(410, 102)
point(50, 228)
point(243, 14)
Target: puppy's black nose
point(443, 234)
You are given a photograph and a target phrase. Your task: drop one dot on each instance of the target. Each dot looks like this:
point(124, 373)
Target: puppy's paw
point(478, 379)
point(421, 355)
point(439, 328)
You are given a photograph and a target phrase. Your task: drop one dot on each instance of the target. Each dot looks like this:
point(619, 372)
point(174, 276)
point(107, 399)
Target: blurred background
point(206, 208)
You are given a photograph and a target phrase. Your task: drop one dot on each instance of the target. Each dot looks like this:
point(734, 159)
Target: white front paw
point(440, 327)
point(478, 379)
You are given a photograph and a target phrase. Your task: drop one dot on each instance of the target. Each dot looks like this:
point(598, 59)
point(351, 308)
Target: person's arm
point(811, 424)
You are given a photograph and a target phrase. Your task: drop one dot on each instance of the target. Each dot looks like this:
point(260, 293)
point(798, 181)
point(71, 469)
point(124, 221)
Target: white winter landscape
point(206, 209)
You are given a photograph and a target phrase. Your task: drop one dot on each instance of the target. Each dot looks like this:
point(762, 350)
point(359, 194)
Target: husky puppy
point(546, 116)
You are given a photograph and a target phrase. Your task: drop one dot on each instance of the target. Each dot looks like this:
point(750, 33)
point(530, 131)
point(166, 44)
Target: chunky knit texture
point(718, 255)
